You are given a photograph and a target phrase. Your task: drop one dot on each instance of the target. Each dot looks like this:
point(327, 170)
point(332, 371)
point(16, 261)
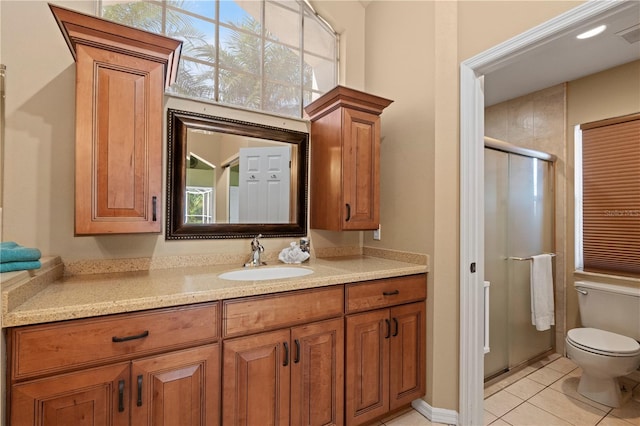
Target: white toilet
point(606, 347)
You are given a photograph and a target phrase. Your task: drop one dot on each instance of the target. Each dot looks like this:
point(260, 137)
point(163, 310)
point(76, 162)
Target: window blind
point(611, 195)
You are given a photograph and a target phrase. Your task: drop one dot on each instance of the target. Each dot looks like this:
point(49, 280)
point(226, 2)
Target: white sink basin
point(265, 273)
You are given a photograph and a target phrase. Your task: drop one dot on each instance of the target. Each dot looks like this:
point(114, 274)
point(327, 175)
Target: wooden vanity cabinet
point(345, 160)
point(385, 348)
point(340, 354)
point(292, 375)
point(87, 397)
point(121, 75)
point(146, 368)
point(178, 388)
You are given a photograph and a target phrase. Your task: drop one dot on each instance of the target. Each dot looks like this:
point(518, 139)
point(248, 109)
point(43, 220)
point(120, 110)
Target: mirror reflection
point(238, 179)
point(229, 178)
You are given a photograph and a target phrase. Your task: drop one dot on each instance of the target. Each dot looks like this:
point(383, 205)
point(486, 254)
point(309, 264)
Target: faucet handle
point(255, 244)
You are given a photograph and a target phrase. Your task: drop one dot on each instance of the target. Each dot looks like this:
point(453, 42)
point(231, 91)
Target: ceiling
point(565, 58)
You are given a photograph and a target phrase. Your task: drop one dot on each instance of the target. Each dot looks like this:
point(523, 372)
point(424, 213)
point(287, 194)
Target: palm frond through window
point(269, 55)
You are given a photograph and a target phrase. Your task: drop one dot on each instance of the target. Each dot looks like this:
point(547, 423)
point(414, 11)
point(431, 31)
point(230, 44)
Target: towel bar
point(528, 258)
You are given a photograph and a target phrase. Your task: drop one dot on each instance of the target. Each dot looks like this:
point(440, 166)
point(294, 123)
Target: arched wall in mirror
point(234, 179)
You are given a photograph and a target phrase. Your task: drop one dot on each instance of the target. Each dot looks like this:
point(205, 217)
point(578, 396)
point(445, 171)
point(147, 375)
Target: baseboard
point(435, 415)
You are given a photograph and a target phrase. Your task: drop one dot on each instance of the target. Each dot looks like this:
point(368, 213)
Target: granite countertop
point(41, 298)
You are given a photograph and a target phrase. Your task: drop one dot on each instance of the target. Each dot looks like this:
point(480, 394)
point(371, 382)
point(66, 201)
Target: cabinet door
point(92, 397)
point(255, 380)
point(118, 142)
point(367, 366)
point(179, 388)
point(407, 354)
point(317, 374)
point(361, 170)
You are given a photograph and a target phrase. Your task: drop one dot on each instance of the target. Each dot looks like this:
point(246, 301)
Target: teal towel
point(13, 252)
point(19, 266)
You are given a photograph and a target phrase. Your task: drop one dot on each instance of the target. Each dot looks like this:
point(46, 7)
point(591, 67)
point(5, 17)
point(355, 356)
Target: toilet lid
point(603, 341)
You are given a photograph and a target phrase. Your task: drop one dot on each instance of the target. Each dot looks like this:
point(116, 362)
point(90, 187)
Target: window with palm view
point(269, 55)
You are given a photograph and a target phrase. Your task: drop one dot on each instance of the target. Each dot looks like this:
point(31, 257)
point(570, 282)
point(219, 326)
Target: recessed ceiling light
point(592, 32)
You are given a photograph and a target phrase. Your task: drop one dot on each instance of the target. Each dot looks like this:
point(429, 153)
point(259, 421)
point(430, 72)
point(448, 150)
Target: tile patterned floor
point(543, 394)
point(546, 394)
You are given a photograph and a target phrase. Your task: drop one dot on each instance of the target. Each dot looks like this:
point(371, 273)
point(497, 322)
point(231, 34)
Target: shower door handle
point(487, 289)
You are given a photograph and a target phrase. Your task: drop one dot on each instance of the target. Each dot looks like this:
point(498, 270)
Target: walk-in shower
point(519, 223)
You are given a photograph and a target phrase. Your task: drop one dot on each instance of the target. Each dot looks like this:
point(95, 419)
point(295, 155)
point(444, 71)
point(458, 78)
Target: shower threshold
point(506, 373)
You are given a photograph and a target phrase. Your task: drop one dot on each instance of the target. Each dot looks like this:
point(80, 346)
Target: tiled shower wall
point(538, 121)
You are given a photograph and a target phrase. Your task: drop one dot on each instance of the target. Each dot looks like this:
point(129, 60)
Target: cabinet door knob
point(154, 208)
point(286, 354)
point(348, 212)
point(388, 328)
point(395, 322)
point(139, 402)
point(121, 396)
point(297, 358)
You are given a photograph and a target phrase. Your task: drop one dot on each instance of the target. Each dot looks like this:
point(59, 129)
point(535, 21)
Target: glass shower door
point(496, 181)
point(518, 223)
point(530, 230)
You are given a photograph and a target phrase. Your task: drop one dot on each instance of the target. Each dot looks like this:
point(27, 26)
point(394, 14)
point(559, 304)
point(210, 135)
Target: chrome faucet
point(256, 249)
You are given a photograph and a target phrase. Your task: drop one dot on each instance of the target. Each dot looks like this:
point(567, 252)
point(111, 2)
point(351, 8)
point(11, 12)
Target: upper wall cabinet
point(121, 74)
point(345, 160)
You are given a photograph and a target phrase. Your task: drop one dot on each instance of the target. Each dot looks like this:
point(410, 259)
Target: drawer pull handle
point(139, 402)
point(116, 339)
point(388, 328)
point(297, 358)
point(121, 396)
point(286, 354)
point(395, 322)
point(390, 293)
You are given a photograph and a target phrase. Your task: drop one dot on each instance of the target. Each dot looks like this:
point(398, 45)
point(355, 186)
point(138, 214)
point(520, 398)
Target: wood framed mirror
point(234, 179)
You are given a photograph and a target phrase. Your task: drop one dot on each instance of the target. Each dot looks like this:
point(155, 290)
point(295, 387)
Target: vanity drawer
point(49, 348)
point(260, 313)
point(369, 295)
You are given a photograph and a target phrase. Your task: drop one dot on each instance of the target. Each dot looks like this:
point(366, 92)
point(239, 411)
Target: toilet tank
point(610, 307)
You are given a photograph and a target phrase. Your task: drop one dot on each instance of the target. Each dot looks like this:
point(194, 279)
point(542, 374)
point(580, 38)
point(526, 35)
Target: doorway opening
point(472, 72)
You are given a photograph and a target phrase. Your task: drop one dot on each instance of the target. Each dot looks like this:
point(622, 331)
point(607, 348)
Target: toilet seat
point(603, 342)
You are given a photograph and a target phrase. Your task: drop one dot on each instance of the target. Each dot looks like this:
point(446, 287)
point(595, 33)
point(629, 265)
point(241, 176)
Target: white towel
point(542, 309)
